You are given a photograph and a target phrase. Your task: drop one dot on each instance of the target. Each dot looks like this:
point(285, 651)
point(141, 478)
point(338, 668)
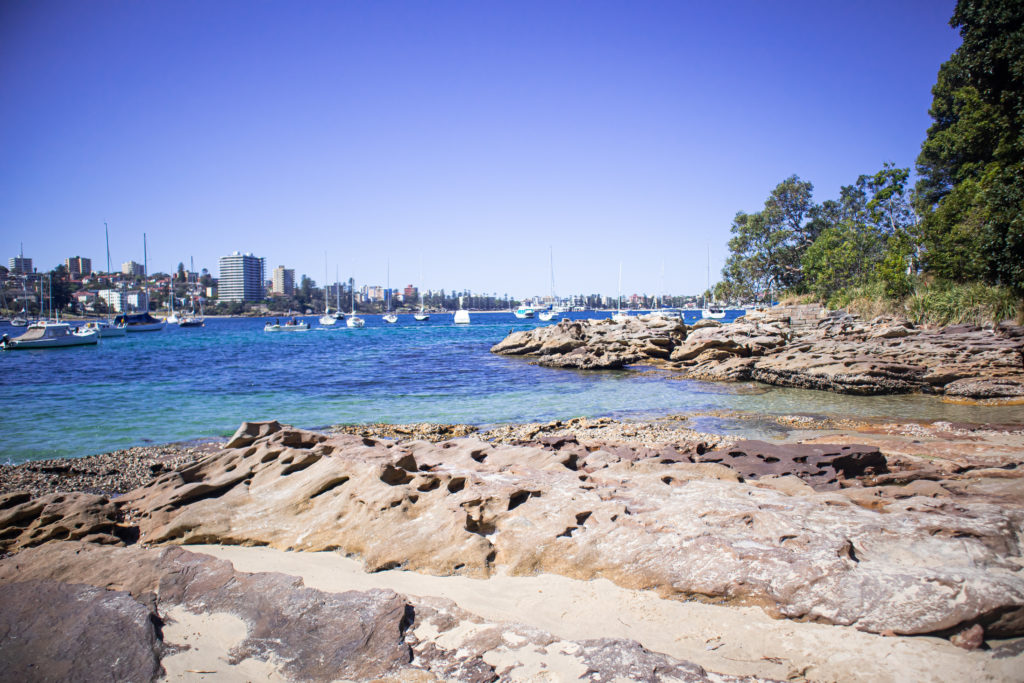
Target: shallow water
point(183, 384)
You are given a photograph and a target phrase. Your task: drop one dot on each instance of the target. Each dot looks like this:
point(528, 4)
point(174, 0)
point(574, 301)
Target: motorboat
point(19, 321)
point(523, 312)
point(546, 315)
point(670, 313)
point(292, 325)
point(192, 321)
point(139, 322)
point(107, 328)
point(49, 335)
point(421, 316)
point(712, 313)
point(390, 318)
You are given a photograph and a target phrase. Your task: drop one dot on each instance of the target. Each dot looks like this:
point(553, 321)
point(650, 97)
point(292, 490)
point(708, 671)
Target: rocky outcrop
point(841, 353)
point(26, 521)
point(595, 344)
point(108, 612)
point(685, 522)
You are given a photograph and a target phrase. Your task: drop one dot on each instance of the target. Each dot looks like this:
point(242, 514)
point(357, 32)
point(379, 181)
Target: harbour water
point(183, 384)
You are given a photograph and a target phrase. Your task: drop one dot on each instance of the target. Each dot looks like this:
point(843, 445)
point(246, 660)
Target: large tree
point(767, 246)
point(971, 190)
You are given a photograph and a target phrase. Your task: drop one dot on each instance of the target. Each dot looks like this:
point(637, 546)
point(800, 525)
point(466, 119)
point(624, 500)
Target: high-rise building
point(241, 277)
point(284, 281)
point(78, 266)
point(116, 299)
point(131, 268)
point(20, 265)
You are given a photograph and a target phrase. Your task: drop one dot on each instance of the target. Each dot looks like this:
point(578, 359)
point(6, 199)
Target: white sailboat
point(354, 320)
point(107, 328)
point(389, 317)
point(547, 315)
point(619, 315)
point(327, 319)
point(710, 312)
point(193, 320)
point(422, 315)
point(172, 319)
point(461, 315)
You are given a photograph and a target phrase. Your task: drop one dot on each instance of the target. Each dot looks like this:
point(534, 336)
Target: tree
point(766, 246)
point(971, 191)
point(60, 287)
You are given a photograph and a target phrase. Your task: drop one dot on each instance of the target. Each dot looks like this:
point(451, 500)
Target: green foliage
point(946, 303)
point(971, 191)
point(767, 246)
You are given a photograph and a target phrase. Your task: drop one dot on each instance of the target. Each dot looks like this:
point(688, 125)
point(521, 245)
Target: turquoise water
point(183, 384)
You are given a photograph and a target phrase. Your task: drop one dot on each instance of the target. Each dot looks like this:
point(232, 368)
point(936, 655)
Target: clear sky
point(466, 136)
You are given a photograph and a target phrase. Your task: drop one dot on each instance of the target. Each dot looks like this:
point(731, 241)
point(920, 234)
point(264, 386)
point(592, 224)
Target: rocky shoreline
point(835, 351)
point(891, 529)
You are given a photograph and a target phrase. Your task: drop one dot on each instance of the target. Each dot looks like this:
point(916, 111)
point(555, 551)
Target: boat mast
point(551, 264)
point(618, 302)
point(145, 271)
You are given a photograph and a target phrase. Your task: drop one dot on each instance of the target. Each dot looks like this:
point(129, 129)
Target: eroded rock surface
point(841, 353)
point(643, 517)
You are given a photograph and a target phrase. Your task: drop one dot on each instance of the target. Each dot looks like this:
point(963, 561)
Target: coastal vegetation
point(947, 249)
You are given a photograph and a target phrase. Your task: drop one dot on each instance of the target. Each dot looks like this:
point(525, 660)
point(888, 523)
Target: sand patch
point(209, 639)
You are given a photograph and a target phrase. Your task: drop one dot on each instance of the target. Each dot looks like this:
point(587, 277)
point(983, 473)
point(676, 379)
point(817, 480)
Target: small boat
point(619, 316)
point(461, 315)
point(546, 315)
point(389, 317)
point(48, 335)
point(19, 321)
point(523, 312)
point(139, 322)
point(549, 314)
point(421, 316)
point(353, 320)
point(191, 321)
point(292, 325)
point(712, 313)
point(328, 319)
point(107, 328)
point(669, 313)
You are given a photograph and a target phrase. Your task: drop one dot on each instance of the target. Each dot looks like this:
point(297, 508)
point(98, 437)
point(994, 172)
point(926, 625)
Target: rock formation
point(841, 353)
point(832, 540)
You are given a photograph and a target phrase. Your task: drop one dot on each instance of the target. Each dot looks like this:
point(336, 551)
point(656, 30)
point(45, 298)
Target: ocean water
point(183, 384)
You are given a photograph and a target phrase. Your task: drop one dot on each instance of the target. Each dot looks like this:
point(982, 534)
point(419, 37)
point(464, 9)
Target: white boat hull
point(546, 316)
point(712, 314)
point(146, 327)
point(391, 318)
point(461, 317)
point(355, 321)
point(328, 320)
point(420, 317)
point(298, 327)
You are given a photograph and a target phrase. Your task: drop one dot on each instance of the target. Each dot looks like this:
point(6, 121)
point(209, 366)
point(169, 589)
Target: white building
point(132, 268)
point(241, 277)
point(116, 299)
point(284, 281)
point(20, 265)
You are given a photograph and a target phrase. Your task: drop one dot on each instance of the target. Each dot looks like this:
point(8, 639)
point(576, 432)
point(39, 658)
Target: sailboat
point(172, 318)
point(550, 313)
point(107, 328)
point(354, 320)
point(461, 315)
point(327, 319)
point(710, 312)
point(619, 315)
point(390, 317)
point(422, 315)
point(142, 322)
point(193, 320)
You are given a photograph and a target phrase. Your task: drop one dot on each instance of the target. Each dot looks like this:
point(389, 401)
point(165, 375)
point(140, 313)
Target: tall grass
point(935, 303)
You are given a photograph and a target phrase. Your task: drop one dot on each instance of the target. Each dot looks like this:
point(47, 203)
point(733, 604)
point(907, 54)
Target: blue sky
point(468, 137)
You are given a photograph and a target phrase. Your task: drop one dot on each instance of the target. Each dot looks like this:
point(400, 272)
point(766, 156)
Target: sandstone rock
point(315, 635)
point(822, 466)
point(58, 631)
point(796, 348)
point(27, 521)
point(642, 518)
point(970, 639)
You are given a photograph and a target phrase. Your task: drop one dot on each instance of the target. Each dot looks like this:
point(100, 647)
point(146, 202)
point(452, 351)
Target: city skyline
point(471, 139)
